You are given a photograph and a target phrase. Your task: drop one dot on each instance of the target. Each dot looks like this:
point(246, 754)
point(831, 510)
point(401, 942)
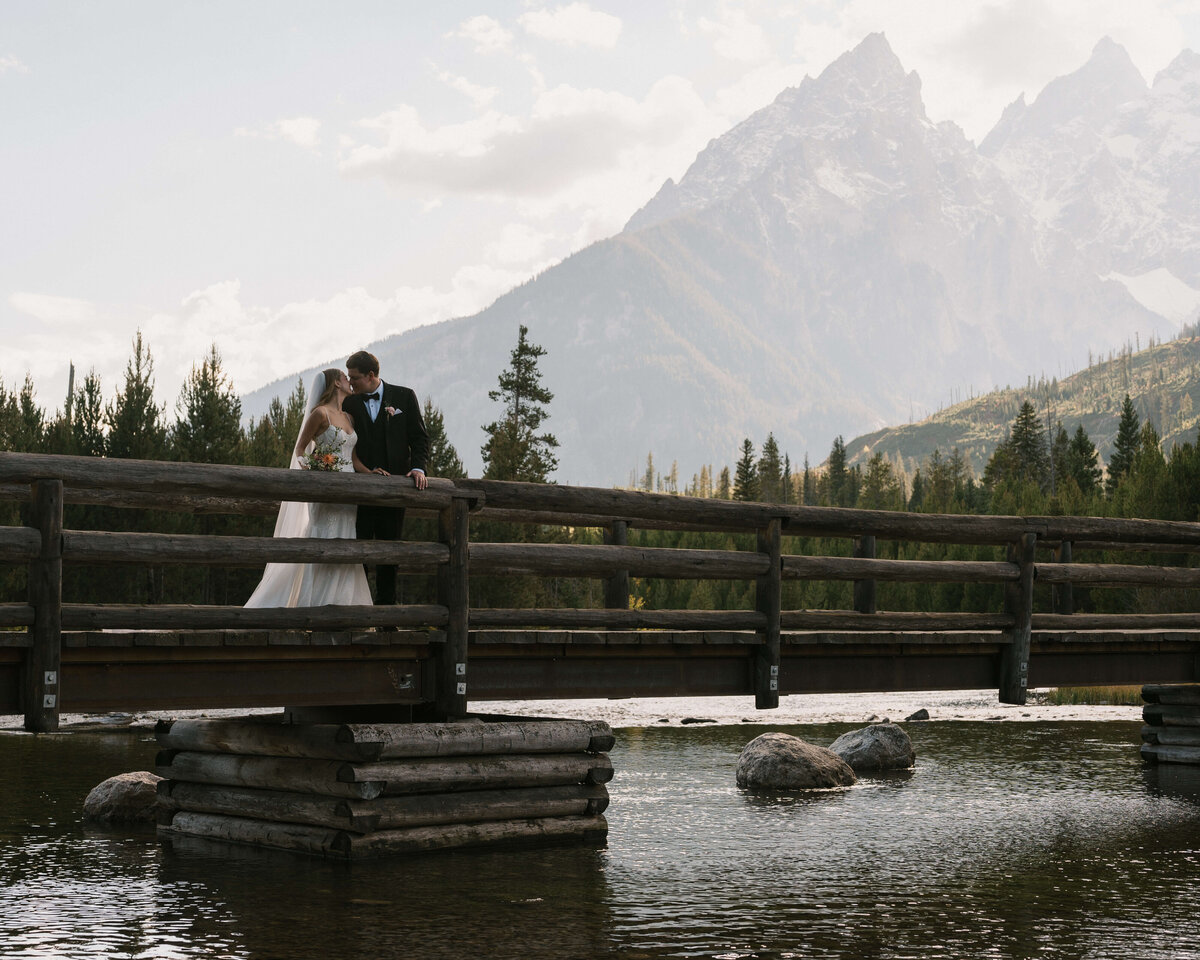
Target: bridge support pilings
point(43, 658)
point(768, 594)
point(1018, 603)
point(1171, 733)
point(364, 790)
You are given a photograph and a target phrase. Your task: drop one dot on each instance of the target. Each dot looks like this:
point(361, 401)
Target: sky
point(290, 180)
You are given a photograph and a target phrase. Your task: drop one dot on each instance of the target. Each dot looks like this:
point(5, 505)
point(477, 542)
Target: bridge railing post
point(450, 660)
point(616, 587)
point(40, 682)
point(768, 597)
point(1018, 602)
point(1062, 593)
point(864, 590)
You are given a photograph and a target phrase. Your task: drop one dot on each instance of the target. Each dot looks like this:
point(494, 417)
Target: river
point(1039, 838)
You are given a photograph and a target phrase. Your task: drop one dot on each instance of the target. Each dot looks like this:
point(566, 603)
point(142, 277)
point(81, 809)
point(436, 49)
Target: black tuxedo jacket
point(398, 441)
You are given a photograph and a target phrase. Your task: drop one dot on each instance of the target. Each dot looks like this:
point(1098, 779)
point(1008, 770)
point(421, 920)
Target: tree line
point(1036, 469)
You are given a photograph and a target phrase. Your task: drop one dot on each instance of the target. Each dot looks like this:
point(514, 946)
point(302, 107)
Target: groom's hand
point(418, 479)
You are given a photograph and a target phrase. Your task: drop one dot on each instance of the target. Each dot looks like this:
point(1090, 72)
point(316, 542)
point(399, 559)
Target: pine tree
point(770, 472)
point(745, 481)
point(271, 439)
point(1125, 447)
point(87, 418)
point(26, 426)
point(514, 450)
point(724, 488)
point(209, 424)
point(647, 481)
point(787, 496)
point(808, 485)
point(135, 427)
point(1082, 463)
point(836, 475)
point(443, 460)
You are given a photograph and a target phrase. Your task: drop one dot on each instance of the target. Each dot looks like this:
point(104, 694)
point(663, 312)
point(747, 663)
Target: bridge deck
point(225, 669)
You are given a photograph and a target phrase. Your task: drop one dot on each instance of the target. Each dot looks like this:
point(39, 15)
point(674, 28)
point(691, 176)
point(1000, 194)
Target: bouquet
point(324, 456)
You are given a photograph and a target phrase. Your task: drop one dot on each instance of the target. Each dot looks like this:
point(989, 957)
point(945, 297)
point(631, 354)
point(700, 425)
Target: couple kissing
point(366, 426)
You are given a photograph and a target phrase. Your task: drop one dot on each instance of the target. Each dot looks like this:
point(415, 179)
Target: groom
point(391, 441)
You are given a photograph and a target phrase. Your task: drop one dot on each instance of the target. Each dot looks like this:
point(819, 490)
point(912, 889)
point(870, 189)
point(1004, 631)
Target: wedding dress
point(316, 584)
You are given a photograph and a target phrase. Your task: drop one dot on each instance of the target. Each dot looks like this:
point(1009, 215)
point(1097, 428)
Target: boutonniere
point(392, 411)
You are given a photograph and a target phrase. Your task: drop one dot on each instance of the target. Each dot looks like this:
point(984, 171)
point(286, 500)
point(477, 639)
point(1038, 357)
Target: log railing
point(46, 483)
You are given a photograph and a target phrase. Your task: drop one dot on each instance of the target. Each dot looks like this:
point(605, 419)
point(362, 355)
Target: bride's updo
point(332, 376)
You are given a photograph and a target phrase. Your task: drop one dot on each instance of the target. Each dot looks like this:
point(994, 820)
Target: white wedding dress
point(316, 584)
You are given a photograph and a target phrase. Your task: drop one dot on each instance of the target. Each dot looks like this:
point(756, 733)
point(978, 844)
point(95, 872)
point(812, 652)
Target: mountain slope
point(1163, 381)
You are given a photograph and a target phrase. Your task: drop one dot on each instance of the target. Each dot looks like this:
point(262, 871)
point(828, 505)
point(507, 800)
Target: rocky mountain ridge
point(837, 262)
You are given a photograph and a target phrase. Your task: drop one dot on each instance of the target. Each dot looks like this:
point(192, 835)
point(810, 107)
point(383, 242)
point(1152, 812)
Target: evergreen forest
point(1041, 466)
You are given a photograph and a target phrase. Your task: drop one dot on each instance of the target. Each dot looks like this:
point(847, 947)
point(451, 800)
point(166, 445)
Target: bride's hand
point(381, 472)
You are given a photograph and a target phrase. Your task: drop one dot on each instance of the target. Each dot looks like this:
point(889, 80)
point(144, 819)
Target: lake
point(1026, 839)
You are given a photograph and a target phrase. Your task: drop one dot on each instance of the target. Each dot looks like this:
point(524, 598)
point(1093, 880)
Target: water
point(1037, 839)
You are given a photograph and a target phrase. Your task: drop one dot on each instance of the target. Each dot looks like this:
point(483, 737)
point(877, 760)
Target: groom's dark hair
point(364, 362)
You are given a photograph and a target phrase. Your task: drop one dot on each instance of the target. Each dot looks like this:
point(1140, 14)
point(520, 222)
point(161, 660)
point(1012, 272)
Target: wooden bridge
point(432, 659)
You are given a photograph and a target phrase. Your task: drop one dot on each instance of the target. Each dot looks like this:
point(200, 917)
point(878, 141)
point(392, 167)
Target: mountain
point(1108, 165)
point(835, 262)
point(1162, 380)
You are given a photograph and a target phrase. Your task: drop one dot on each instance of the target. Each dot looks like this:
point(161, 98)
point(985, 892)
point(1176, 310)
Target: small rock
point(779, 761)
point(125, 798)
point(881, 746)
point(696, 720)
point(921, 714)
point(664, 720)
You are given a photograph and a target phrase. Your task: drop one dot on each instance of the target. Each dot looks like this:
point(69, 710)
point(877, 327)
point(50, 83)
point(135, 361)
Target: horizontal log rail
point(906, 571)
point(103, 547)
point(230, 480)
point(1121, 622)
point(901, 621)
point(580, 560)
point(1118, 575)
point(85, 616)
point(16, 615)
point(561, 619)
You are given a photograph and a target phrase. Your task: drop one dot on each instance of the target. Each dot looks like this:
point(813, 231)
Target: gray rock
point(921, 714)
point(881, 746)
point(125, 798)
point(779, 761)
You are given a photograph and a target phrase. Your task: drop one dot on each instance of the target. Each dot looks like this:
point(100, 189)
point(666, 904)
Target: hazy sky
point(291, 180)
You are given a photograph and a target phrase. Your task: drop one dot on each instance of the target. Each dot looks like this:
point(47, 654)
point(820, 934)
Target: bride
point(317, 584)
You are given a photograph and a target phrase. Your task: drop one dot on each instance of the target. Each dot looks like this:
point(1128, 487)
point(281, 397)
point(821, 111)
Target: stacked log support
point(1172, 730)
point(357, 790)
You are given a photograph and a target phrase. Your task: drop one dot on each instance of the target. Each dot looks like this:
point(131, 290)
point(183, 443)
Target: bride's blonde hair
point(332, 376)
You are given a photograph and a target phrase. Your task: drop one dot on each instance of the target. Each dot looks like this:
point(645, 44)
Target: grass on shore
point(1124, 696)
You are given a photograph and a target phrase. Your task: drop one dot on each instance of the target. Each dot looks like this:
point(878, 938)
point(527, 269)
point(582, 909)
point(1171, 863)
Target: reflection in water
point(1006, 840)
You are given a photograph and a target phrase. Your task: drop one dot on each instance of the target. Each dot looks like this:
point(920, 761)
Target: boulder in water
point(779, 761)
point(125, 798)
point(881, 746)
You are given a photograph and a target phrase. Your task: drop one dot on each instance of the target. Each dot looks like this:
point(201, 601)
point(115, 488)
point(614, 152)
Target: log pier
point(351, 791)
point(1172, 730)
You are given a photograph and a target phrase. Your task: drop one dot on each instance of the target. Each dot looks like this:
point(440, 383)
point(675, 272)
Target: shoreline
point(942, 705)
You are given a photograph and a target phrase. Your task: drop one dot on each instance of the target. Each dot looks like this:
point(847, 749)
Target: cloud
point(302, 131)
point(12, 64)
point(735, 37)
point(573, 25)
point(569, 133)
point(54, 310)
point(480, 96)
point(487, 34)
